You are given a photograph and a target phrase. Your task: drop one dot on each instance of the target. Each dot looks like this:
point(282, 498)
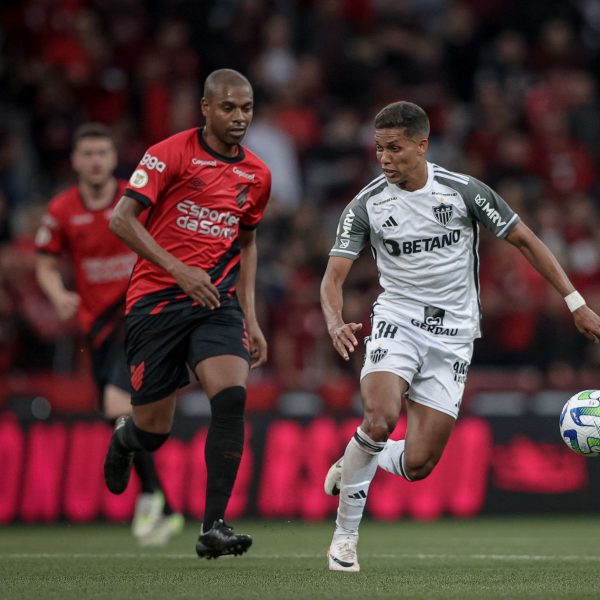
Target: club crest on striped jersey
point(443, 213)
point(378, 354)
point(242, 193)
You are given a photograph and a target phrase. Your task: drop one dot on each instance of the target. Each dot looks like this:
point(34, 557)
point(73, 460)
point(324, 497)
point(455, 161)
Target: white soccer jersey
point(425, 245)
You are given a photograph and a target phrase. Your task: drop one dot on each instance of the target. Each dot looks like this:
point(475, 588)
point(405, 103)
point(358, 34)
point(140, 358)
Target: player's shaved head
point(224, 79)
point(227, 106)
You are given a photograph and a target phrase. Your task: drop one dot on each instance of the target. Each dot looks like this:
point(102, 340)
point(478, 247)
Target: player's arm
point(542, 259)
point(47, 270)
point(195, 282)
point(332, 302)
point(246, 295)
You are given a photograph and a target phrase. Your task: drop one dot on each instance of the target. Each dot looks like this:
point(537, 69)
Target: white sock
point(391, 458)
point(359, 467)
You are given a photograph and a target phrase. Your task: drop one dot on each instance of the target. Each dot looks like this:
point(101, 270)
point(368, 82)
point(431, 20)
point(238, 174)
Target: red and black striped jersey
point(198, 200)
point(102, 262)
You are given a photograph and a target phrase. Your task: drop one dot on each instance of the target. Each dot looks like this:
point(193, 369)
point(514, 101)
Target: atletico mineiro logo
point(378, 354)
point(443, 213)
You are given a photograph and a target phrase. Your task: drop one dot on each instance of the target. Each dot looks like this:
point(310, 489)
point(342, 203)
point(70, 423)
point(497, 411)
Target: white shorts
point(435, 368)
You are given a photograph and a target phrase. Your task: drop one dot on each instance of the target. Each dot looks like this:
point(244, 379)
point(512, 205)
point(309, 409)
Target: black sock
point(144, 466)
point(131, 438)
point(223, 451)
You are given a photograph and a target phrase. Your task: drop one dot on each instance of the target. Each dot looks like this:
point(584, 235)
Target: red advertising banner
point(53, 470)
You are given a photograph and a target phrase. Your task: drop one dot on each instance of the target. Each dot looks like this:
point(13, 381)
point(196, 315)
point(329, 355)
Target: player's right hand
point(66, 305)
point(343, 338)
point(588, 323)
point(196, 283)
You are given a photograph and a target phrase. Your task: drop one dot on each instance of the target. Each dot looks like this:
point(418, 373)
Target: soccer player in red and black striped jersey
point(190, 301)
point(76, 224)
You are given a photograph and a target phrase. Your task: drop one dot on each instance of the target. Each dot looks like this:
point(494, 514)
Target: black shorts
point(160, 347)
point(109, 365)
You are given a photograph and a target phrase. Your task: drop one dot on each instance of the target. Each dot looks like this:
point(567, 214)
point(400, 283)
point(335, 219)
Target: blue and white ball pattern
point(580, 423)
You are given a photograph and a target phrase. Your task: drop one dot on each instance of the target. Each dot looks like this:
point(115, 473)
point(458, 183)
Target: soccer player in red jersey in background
point(76, 224)
point(190, 301)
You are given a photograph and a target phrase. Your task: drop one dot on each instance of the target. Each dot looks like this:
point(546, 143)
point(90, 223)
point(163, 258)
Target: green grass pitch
point(509, 558)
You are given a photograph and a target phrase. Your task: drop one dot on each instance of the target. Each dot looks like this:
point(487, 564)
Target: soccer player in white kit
point(422, 222)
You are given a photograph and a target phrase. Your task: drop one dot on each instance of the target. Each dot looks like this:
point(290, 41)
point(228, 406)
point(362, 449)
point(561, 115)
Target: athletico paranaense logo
point(242, 193)
point(137, 376)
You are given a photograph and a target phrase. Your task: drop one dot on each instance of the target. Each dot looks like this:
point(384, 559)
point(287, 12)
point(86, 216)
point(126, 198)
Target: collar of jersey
point(228, 159)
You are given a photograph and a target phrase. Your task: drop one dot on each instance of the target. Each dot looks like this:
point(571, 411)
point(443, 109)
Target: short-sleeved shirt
point(425, 244)
point(102, 262)
point(198, 201)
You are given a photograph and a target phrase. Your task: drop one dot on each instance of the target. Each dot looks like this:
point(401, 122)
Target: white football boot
point(341, 555)
point(334, 478)
point(148, 513)
point(167, 527)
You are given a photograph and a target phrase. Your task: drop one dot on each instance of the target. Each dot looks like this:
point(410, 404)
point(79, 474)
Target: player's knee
point(156, 422)
point(229, 403)
point(418, 466)
point(379, 426)
point(149, 440)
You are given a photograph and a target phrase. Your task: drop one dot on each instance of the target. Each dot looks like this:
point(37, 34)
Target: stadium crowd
point(511, 89)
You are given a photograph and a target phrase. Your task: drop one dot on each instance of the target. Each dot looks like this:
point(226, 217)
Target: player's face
point(94, 160)
point(228, 114)
point(401, 158)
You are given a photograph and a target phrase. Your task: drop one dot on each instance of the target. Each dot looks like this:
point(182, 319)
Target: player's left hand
point(344, 338)
point(588, 323)
point(258, 345)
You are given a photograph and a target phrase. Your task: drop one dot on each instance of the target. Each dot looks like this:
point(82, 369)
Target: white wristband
point(574, 301)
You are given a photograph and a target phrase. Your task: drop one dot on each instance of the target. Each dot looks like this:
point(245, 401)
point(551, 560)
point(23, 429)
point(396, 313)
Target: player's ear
point(204, 106)
point(422, 147)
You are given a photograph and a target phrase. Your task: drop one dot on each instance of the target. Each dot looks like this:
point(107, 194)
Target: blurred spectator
point(337, 167)
point(584, 110)
point(557, 47)
point(276, 148)
point(563, 164)
point(276, 64)
point(513, 294)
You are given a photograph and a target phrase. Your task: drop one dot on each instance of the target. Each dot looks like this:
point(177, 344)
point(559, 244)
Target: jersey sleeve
point(353, 231)
point(254, 215)
point(154, 173)
point(489, 208)
point(50, 237)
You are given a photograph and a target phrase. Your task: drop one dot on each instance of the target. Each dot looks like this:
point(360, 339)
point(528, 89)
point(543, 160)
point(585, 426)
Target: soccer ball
point(580, 423)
